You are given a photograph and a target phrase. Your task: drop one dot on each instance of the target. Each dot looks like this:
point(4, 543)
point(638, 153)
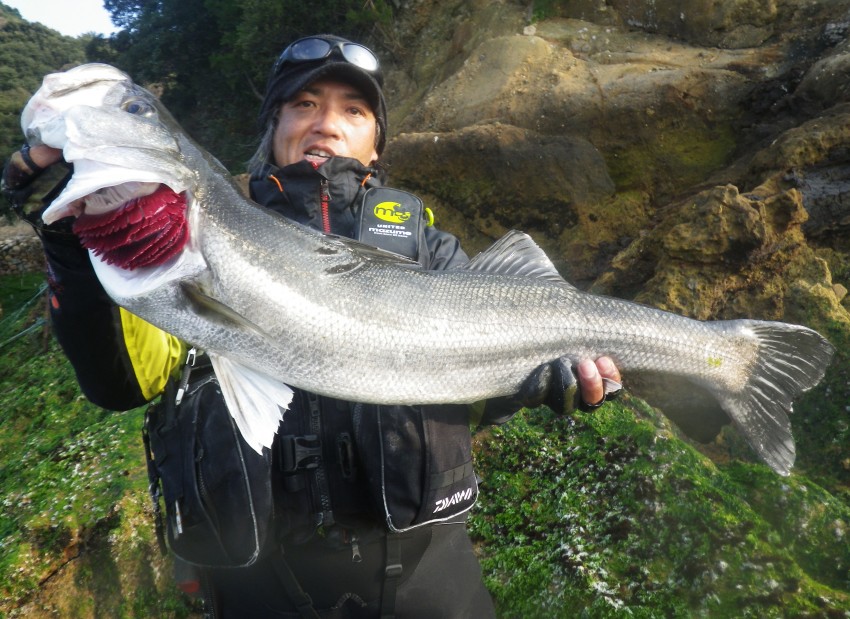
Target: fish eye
point(137, 107)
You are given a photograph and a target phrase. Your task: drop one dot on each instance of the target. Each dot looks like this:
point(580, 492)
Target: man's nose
point(327, 122)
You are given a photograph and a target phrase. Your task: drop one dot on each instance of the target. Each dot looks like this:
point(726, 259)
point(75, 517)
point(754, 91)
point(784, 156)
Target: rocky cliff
point(692, 156)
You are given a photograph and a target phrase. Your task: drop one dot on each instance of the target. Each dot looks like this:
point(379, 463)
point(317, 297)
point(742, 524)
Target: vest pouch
point(216, 489)
point(424, 474)
point(393, 220)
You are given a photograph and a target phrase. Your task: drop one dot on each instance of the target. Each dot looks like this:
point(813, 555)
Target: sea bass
point(274, 303)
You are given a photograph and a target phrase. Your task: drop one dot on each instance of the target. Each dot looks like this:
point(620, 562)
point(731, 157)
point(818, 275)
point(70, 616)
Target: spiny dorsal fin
point(515, 254)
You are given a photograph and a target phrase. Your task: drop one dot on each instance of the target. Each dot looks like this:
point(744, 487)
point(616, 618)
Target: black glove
point(556, 385)
point(28, 189)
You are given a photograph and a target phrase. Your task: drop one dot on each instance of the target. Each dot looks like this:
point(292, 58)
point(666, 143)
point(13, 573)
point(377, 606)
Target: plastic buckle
point(393, 571)
point(191, 357)
point(300, 453)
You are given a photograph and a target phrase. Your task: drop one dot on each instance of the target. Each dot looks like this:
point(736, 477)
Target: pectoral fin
point(255, 401)
point(216, 311)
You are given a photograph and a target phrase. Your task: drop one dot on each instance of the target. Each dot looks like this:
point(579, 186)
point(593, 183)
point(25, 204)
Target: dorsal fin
point(515, 254)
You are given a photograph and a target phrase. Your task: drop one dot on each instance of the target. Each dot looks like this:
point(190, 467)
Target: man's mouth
point(317, 156)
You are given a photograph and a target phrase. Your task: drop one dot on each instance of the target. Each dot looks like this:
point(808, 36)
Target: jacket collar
point(295, 191)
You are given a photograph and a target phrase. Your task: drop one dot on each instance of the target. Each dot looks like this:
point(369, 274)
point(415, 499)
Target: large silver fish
point(275, 303)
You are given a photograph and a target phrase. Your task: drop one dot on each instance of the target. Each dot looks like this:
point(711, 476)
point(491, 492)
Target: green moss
point(634, 522)
point(668, 156)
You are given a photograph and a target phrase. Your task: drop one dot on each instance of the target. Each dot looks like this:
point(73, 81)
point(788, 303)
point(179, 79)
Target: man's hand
point(26, 164)
point(563, 389)
point(31, 180)
point(44, 156)
point(597, 380)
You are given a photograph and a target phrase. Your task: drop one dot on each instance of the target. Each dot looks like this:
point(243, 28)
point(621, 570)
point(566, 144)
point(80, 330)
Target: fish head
point(122, 142)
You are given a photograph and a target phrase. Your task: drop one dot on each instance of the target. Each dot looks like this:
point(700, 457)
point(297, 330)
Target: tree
point(212, 56)
point(29, 52)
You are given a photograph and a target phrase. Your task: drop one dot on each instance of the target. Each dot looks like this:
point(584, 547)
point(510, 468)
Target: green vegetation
point(608, 514)
point(29, 51)
point(72, 480)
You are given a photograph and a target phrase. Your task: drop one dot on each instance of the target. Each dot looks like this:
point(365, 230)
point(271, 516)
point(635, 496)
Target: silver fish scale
point(412, 336)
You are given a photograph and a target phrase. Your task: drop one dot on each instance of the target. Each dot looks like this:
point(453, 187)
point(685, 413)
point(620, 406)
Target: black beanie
point(293, 77)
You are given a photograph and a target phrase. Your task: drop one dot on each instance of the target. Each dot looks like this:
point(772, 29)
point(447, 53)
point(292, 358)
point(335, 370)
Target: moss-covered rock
point(609, 514)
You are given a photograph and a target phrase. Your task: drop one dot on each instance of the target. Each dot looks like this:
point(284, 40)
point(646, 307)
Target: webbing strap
point(296, 594)
point(153, 485)
point(392, 573)
point(447, 478)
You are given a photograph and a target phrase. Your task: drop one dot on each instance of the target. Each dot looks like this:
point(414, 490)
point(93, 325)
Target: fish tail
point(791, 360)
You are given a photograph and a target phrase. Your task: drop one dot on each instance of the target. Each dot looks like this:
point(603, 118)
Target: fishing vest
point(336, 469)
point(353, 465)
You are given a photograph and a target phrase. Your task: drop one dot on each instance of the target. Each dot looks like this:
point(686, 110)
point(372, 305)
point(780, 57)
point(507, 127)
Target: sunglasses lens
point(360, 56)
point(312, 48)
point(309, 49)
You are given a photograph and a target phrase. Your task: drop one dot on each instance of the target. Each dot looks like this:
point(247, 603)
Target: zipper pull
point(355, 549)
point(325, 199)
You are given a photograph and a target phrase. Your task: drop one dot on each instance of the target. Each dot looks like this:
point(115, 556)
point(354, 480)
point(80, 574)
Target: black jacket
point(298, 191)
point(381, 466)
point(395, 467)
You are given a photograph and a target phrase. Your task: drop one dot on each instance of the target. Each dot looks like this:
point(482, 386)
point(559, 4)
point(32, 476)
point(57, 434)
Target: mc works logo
point(457, 497)
point(386, 211)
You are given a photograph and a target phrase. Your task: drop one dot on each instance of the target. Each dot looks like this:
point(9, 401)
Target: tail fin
point(791, 360)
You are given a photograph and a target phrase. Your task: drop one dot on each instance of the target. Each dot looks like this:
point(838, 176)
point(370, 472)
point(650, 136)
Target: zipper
point(325, 517)
point(324, 202)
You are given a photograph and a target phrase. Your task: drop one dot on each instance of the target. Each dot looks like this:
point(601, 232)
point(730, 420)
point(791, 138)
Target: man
point(370, 501)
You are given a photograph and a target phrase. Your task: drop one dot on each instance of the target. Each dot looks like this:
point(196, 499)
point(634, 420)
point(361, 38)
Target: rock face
point(692, 156)
point(583, 129)
point(20, 253)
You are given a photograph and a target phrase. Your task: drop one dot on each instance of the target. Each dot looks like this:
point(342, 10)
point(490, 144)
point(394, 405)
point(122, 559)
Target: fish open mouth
point(145, 230)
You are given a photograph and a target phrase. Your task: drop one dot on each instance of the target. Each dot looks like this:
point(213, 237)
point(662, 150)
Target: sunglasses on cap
point(315, 48)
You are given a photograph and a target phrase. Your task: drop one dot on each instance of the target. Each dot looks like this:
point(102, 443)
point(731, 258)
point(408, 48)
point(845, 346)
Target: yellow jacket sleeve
point(154, 354)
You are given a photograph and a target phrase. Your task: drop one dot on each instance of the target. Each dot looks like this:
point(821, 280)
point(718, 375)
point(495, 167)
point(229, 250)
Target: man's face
point(326, 119)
